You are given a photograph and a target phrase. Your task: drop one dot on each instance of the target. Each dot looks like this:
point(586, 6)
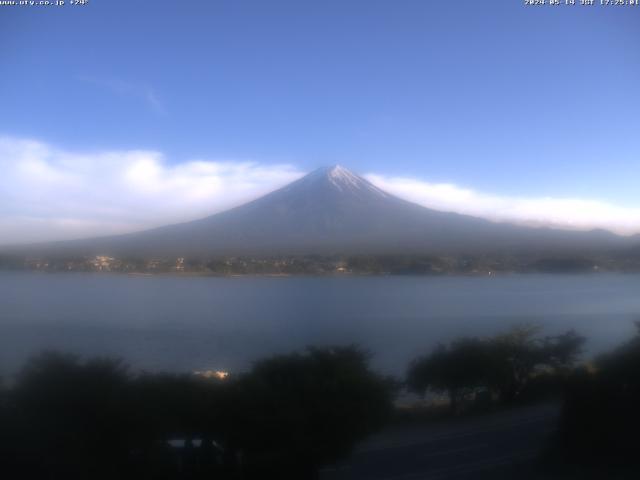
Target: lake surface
point(193, 323)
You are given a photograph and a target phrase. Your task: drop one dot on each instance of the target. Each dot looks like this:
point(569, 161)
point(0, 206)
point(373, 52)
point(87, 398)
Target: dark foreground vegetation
point(67, 419)
point(512, 367)
point(601, 416)
point(597, 435)
point(290, 415)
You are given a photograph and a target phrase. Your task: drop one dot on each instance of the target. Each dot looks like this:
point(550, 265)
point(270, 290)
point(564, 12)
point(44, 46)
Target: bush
point(601, 418)
point(505, 364)
point(294, 413)
point(71, 419)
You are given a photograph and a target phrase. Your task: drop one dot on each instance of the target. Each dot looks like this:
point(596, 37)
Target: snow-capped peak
point(344, 180)
point(341, 177)
point(338, 178)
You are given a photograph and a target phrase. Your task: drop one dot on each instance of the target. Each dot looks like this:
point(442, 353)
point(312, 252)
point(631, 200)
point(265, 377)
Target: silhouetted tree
point(520, 354)
point(516, 355)
point(172, 404)
point(71, 414)
point(563, 351)
point(601, 419)
point(457, 369)
point(504, 364)
point(293, 413)
point(71, 419)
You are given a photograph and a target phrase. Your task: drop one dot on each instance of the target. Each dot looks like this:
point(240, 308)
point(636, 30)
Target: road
point(496, 445)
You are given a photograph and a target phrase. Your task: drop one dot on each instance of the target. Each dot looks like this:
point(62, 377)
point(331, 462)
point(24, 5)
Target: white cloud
point(51, 194)
point(567, 213)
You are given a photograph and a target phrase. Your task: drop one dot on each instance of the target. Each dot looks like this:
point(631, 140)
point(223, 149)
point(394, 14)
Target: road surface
point(496, 445)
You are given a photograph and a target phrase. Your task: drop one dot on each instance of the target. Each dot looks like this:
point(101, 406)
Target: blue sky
point(493, 97)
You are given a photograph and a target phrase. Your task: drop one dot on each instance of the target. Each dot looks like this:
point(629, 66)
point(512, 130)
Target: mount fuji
point(334, 211)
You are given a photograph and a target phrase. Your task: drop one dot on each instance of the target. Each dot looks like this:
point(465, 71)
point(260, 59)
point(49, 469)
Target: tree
point(515, 356)
point(71, 414)
point(72, 419)
point(521, 353)
point(293, 413)
point(562, 351)
point(504, 364)
point(600, 417)
point(458, 369)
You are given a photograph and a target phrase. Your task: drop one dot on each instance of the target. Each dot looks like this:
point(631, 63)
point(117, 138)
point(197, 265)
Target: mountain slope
point(332, 210)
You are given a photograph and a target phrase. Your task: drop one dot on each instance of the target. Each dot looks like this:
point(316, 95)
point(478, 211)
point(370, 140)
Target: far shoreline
point(324, 275)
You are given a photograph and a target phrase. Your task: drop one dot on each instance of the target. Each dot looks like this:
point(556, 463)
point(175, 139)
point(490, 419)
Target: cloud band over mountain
point(47, 193)
point(566, 213)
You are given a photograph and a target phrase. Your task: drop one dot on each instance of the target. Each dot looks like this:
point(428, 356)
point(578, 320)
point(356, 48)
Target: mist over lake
point(193, 323)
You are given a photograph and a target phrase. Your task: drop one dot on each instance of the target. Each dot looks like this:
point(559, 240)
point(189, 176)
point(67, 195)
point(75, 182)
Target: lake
point(193, 323)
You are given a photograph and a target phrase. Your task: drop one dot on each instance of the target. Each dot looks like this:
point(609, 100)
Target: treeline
point(70, 419)
point(512, 366)
point(600, 417)
point(62, 417)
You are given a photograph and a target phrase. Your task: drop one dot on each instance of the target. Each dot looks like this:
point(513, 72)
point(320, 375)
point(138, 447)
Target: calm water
point(192, 323)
